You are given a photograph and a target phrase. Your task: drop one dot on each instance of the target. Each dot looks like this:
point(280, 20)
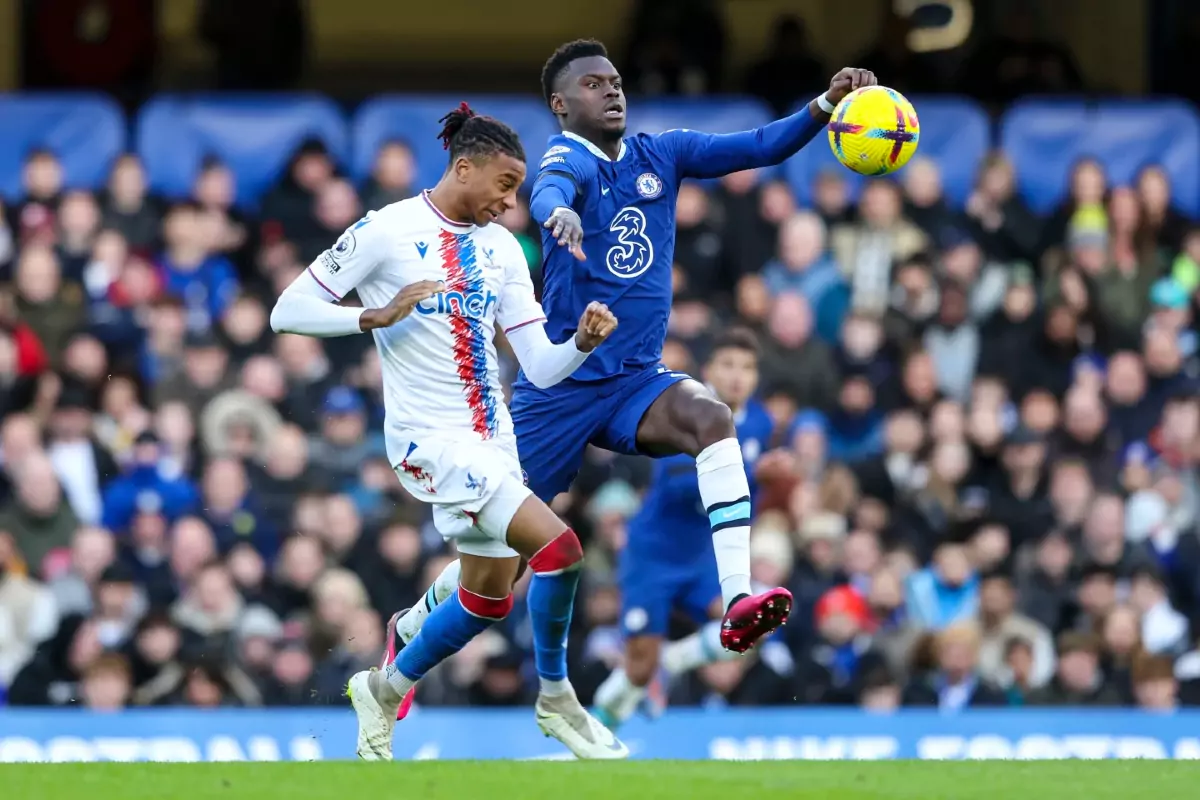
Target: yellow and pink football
point(874, 130)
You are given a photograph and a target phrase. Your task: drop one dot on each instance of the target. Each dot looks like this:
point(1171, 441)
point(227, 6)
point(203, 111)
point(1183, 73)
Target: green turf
point(671, 780)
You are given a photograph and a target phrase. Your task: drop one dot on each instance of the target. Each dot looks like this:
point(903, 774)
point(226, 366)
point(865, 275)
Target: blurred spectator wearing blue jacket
point(144, 485)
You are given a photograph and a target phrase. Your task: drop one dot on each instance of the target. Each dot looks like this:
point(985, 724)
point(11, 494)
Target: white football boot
point(370, 695)
point(562, 717)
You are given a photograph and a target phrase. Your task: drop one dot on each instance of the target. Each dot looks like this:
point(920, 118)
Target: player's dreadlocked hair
point(562, 58)
point(465, 133)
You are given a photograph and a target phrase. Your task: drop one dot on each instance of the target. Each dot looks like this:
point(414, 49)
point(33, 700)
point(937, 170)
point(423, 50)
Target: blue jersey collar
point(596, 151)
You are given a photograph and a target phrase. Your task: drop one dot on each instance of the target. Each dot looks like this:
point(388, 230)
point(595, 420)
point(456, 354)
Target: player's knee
point(563, 553)
point(485, 607)
point(641, 660)
point(713, 421)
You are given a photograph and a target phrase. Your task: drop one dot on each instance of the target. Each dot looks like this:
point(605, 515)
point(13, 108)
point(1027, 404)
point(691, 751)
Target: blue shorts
point(554, 426)
point(651, 590)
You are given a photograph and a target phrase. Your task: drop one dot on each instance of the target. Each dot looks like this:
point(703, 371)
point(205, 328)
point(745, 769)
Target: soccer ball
point(874, 130)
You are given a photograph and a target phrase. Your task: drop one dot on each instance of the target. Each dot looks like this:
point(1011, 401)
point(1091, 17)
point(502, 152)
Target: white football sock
point(553, 688)
point(618, 696)
point(443, 586)
point(700, 648)
point(389, 686)
point(725, 493)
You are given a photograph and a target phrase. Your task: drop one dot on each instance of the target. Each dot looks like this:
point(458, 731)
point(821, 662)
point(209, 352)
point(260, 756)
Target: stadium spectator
point(954, 683)
point(127, 207)
point(986, 432)
point(1079, 680)
point(392, 177)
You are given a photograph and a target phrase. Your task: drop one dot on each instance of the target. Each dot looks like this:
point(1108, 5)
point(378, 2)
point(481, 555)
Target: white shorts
point(474, 486)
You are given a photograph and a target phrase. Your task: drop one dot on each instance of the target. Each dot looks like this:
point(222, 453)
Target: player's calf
point(555, 559)
point(377, 696)
point(688, 417)
point(641, 659)
point(447, 630)
point(556, 571)
point(712, 422)
point(626, 686)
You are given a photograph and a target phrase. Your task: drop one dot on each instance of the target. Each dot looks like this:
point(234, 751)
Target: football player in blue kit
point(667, 563)
point(607, 204)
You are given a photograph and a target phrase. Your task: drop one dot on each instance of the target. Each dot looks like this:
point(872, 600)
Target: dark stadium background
point(984, 374)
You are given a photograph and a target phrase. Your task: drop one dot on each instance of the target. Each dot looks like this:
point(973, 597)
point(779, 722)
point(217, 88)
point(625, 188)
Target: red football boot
point(753, 617)
point(389, 655)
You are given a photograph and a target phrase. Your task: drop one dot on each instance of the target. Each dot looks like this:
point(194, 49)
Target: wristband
point(824, 104)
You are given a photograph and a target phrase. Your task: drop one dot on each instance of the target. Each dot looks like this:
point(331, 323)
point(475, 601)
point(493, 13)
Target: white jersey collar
point(456, 227)
point(596, 151)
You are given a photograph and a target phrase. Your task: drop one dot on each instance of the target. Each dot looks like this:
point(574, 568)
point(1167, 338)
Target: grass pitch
point(630, 780)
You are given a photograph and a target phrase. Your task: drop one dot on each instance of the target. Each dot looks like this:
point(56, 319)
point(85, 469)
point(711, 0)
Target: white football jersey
point(440, 369)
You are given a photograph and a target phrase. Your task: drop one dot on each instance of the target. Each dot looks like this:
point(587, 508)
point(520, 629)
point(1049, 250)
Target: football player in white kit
point(436, 279)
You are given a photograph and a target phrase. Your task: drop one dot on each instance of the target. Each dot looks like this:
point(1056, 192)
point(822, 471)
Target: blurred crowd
point(982, 491)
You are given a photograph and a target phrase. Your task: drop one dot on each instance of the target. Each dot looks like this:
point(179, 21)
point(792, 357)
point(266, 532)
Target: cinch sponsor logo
point(472, 305)
point(157, 748)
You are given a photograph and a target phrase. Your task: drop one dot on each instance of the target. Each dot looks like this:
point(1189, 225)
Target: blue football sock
point(551, 603)
point(556, 569)
point(446, 631)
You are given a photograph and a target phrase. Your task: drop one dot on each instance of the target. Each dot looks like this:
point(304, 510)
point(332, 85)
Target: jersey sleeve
point(352, 258)
point(562, 175)
point(711, 155)
point(518, 305)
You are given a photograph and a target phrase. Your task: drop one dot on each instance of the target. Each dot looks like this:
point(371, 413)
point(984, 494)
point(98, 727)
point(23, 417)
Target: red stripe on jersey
point(523, 324)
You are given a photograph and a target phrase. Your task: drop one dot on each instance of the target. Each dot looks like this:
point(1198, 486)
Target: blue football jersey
point(627, 208)
point(672, 518)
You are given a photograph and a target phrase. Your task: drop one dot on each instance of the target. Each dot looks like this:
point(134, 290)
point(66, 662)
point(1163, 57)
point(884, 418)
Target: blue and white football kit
point(626, 206)
point(667, 564)
point(666, 568)
point(627, 209)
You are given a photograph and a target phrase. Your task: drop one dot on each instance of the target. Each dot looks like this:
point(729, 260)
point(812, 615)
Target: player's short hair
point(558, 62)
point(736, 339)
point(465, 133)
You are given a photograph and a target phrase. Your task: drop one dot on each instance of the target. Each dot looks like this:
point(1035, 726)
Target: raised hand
point(567, 229)
point(596, 325)
point(401, 305)
point(846, 81)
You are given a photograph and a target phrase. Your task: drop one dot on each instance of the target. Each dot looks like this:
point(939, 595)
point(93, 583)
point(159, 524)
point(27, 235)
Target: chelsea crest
point(649, 185)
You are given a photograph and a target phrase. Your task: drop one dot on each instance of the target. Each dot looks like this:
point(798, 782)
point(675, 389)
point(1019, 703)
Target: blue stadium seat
point(955, 133)
point(711, 115)
point(87, 132)
point(414, 120)
point(255, 135)
point(1045, 138)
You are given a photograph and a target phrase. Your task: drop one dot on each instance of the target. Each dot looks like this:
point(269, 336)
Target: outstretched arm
point(307, 308)
point(522, 319)
point(546, 363)
point(708, 155)
point(309, 305)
